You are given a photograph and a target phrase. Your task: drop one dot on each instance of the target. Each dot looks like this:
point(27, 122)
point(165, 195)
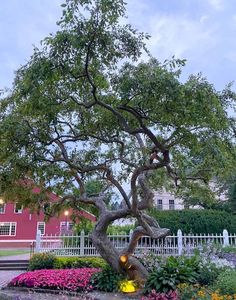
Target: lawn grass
point(7, 252)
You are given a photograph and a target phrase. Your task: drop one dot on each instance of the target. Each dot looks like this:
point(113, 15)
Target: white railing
point(80, 245)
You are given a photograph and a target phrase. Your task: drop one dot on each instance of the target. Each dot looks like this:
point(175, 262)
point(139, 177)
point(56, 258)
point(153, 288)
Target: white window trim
point(4, 209)
point(11, 223)
point(172, 205)
point(160, 205)
point(65, 224)
point(44, 225)
point(21, 210)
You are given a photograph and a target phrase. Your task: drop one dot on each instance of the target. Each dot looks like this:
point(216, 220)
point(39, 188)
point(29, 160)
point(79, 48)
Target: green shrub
point(226, 282)
point(116, 229)
point(229, 249)
point(169, 274)
point(208, 273)
point(151, 261)
point(107, 280)
point(42, 261)
point(196, 220)
point(79, 262)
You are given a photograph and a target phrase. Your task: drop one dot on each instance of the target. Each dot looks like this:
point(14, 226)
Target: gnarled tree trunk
point(124, 262)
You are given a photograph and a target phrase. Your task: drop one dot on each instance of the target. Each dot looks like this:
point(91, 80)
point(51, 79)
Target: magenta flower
point(69, 279)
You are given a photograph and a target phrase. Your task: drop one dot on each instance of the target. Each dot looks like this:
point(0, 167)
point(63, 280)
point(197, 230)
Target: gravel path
point(19, 295)
point(16, 257)
point(7, 276)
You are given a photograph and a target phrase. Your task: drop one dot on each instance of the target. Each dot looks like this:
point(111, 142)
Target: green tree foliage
point(227, 186)
point(85, 107)
point(232, 197)
point(75, 91)
point(196, 220)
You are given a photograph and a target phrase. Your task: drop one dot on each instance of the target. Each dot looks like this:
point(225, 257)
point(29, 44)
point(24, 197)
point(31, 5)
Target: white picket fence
point(80, 245)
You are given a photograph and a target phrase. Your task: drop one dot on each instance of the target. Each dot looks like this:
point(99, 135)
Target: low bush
point(75, 280)
point(211, 264)
point(119, 229)
point(197, 292)
point(79, 262)
point(208, 273)
point(188, 292)
point(229, 249)
point(169, 274)
point(107, 280)
point(42, 261)
point(151, 261)
point(226, 282)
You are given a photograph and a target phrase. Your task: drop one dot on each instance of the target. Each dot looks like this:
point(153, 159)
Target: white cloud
point(180, 36)
point(231, 55)
point(234, 20)
point(217, 4)
point(204, 18)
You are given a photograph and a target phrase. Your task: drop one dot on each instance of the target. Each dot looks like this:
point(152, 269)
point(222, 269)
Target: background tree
point(229, 188)
point(84, 108)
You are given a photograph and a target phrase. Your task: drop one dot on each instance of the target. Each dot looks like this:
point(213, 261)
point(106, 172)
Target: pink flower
point(69, 279)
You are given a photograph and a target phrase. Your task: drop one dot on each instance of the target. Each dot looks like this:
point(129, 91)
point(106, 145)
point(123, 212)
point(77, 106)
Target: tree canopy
point(85, 106)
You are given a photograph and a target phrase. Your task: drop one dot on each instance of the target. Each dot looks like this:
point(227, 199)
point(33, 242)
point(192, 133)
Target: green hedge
point(49, 261)
point(79, 262)
point(42, 261)
point(119, 229)
point(196, 220)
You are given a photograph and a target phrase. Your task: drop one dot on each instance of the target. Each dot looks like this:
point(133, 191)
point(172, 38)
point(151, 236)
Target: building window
point(171, 204)
point(8, 229)
point(18, 208)
point(41, 227)
point(2, 208)
point(159, 204)
point(66, 227)
point(46, 207)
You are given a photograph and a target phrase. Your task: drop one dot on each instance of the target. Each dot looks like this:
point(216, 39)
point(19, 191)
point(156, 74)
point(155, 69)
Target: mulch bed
point(94, 295)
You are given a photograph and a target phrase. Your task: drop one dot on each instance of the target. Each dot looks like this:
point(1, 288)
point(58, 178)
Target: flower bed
point(187, 292)
point(171, 295)
point(75, 280)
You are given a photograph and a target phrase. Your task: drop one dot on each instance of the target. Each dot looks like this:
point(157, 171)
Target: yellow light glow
point(66, 213)
point(128, 286)
point(123, 258)
point(1, 201)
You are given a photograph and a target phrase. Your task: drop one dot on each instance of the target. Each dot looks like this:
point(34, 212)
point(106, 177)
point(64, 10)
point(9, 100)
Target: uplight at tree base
point(123, 259)
point(128, 286)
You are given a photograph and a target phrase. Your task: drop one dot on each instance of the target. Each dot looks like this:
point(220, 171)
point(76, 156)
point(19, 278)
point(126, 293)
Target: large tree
point(85, 107)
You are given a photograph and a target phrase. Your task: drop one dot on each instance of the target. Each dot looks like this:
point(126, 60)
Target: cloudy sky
point(202, 31)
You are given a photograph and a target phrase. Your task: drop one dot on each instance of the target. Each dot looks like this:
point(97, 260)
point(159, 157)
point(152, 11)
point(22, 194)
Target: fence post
point(82, 243)
point(38, 240)
point(130, 234)
point(180, 242)
point(225, 238)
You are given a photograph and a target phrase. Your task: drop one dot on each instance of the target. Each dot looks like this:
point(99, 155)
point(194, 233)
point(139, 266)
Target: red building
point(17, 224)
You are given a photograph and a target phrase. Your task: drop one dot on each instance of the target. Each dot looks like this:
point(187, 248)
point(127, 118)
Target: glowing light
point(66, 213)
point(123, 259)
point(1, 201)
point(128, 286)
